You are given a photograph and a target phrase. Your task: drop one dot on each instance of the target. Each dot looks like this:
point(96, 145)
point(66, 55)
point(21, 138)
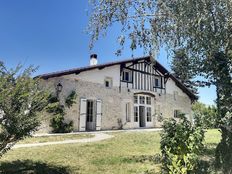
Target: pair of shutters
point(83, 110)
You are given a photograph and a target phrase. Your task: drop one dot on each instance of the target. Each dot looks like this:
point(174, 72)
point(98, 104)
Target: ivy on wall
point(58, 111)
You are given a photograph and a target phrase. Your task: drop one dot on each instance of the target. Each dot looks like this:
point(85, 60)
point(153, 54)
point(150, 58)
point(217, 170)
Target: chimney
point(93, 59)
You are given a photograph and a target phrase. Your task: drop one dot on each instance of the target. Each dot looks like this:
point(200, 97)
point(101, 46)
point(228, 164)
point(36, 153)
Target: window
point(136, 99)
point(175, 94)
point(128, 112)
point(148, 100)
point(141, 99)
point(157, 82)
point(89, 111)
point(148, 114)
point(127, 76)
point(136, 114)
point(108, 82)
point(176, 113)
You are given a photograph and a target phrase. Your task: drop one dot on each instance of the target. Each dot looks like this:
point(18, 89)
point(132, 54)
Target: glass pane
point(142, 100)
point(148, 100)
point(136, 99)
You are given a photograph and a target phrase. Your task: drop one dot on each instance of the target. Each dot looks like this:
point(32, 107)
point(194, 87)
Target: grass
point(126, 153)
point(43, 139)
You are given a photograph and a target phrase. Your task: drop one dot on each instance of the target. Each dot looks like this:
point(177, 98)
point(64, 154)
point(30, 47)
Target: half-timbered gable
point(142, 75)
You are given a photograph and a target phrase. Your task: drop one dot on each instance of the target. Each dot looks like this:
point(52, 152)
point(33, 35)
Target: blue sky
point(51, 34)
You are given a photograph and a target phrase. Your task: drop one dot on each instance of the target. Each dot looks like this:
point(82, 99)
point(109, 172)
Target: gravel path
point(97, 137)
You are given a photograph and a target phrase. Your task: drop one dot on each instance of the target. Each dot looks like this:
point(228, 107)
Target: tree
point(183, 69)
point(21, 99)
point(201, 27)
point(206, 115)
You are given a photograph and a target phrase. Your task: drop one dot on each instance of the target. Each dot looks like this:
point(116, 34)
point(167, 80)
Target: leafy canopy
point(21, 99)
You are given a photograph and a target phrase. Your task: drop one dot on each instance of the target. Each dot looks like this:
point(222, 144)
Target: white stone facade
point(117, 109)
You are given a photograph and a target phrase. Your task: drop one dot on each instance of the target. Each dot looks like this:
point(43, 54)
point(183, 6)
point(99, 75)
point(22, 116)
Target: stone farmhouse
point(128, 94)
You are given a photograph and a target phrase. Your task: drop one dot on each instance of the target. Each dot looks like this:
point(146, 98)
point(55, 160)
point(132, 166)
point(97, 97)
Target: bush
point(181, 142)
point(59, 126)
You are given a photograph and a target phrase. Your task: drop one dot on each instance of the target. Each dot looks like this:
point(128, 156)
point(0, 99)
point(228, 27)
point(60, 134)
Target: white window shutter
point(99, 115)
point(83, 110)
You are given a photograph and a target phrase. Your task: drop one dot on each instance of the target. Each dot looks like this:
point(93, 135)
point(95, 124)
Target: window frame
point(176, 112)
point(124, 76)
point(144, 99)
point(90, 111)
point(157, 85)
point(128, 115)
point(148, 97)
point(110, 82)
point(136, 114)
point(136, 100)
point(148, 114)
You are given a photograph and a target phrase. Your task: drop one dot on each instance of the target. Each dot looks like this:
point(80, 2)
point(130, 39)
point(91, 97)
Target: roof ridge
point(71, 70)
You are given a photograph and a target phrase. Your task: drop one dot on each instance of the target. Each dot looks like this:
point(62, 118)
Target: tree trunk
point(224, 104)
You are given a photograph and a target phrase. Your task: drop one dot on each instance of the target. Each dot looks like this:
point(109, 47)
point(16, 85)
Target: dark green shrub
point(181, 143)
point(59, 126)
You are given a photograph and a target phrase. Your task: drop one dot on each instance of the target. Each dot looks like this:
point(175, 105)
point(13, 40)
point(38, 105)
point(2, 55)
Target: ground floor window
point(136, 114)
point(141, 100)
point(148, 100)
point(135, 99)
point(177, 112)
point(128, 112)
point(148, 114)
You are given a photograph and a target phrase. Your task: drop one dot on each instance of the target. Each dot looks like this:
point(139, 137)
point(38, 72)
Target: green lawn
point(43, 139)
point(126, 153)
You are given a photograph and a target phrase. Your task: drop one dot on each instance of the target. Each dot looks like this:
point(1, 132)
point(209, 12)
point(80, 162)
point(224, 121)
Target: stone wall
point(113, 103)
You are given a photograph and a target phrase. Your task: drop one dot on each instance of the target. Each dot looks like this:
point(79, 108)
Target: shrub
point(59, 126)
point(181, 142)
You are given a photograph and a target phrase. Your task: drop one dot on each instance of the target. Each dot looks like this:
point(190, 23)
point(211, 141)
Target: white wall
point(171, 87)
point(99, 75)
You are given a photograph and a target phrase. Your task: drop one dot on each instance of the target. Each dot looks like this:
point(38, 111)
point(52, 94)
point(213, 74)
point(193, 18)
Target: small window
point(135, 99)
point(157, 82)
point(176, 113)
point(136, 114)
point(148, 114)
point(127, 76)
point(141, 99)
point(128, 112)
point(108, 82)
point(148, 100)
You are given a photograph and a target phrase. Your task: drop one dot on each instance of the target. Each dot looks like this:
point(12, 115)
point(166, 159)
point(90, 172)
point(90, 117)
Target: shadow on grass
point(156, 159)
point(206, 163)
point(31, 167)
